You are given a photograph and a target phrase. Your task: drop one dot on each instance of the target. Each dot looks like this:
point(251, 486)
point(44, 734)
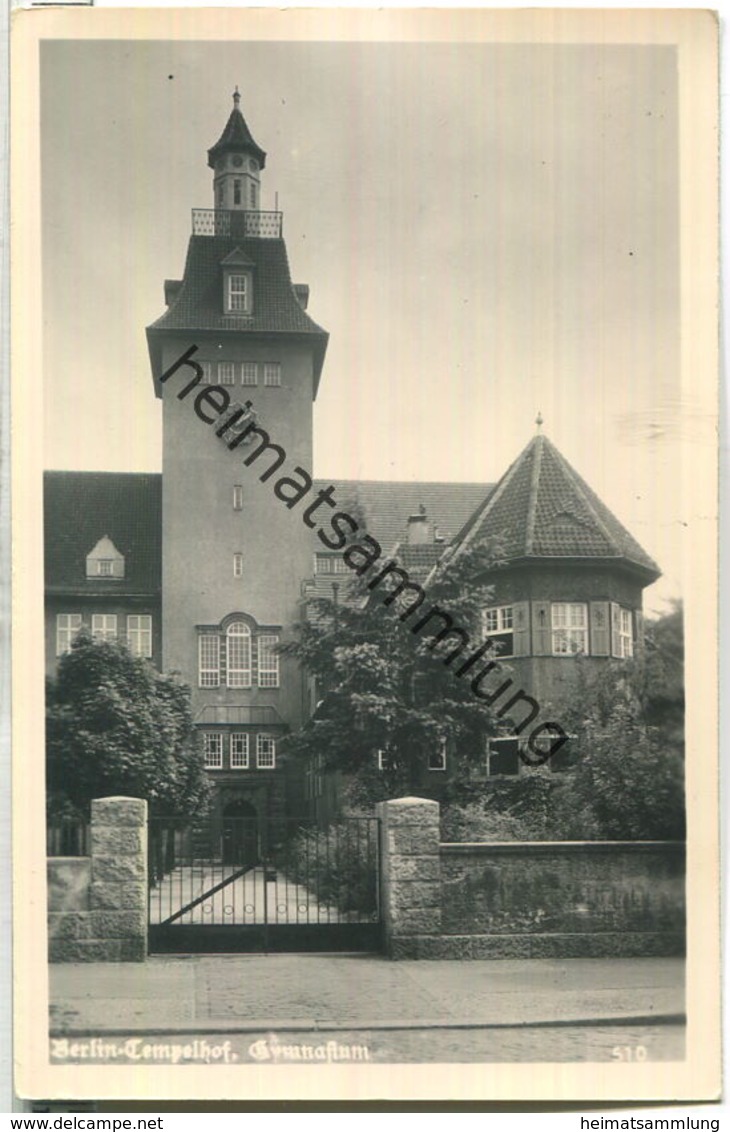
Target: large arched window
point(238, 655)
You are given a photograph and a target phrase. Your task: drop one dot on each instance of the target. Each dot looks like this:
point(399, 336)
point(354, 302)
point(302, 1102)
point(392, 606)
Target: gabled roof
point(386, 506)
point(82, 507)
point(237, 259)
point(198, 304)
point(236, 136)
point(542, 508)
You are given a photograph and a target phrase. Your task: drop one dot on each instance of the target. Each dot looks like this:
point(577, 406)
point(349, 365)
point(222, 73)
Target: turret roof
point(236, 136)
point(542, 508)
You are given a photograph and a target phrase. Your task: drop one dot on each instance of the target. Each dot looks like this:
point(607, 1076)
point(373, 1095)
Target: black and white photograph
point(364, 437)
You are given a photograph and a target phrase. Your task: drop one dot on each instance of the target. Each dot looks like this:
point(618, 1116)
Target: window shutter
point(639, 633)
point(541, 629)
point(521, 628)
point(600, 629)
point(615, 629)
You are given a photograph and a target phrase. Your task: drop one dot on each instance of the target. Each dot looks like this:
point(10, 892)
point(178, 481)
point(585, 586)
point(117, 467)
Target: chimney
point(419, 528)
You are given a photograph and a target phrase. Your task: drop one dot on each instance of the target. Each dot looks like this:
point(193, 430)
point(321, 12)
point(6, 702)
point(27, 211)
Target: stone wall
point(525, 899)
point(97, 905)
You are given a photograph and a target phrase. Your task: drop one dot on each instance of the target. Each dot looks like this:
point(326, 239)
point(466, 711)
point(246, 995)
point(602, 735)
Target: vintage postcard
point(365, 381)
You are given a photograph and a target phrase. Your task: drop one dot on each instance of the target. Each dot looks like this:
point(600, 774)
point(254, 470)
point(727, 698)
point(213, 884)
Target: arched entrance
point(240, 834)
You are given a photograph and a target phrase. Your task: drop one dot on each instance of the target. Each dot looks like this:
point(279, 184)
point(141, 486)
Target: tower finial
point(538, 422)
point(236, 98)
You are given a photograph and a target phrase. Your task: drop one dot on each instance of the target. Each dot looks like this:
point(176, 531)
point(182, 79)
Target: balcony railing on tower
point(236, 222)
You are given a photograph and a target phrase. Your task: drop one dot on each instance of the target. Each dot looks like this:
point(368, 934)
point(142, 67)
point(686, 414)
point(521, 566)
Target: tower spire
point(236, 161)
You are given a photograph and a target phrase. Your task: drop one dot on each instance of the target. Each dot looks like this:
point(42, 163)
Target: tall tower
point(235, 559)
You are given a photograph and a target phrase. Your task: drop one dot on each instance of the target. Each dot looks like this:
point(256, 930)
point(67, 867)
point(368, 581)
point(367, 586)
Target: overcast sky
point(487, 231)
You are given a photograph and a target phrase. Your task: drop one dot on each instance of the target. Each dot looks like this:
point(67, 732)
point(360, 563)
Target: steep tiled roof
point(198, 304)
point(386, 506)
point(80, 508)
point(542, 508)
point(236, 135)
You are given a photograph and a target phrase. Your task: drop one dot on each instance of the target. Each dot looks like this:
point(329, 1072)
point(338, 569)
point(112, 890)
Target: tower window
point(268, 661)
point(252, 195)
point(209, 663)
point(139, 634)
point(570, 628)
point(220, 196)
point(623, 633)
point(238, 655)
point(498, 628)
point(213, 750)
point(272, 373)
point(249, 373)
point(238, 297)
point(265, 752)
point(238, 498)
point(236, 191)
point(239, 750)
point(226, 373)
point(238, 564)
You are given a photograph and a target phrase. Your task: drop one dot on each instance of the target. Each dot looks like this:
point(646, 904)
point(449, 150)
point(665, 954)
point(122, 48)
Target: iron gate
point(280, 884)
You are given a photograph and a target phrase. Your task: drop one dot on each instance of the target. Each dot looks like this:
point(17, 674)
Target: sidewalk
point(306, 992)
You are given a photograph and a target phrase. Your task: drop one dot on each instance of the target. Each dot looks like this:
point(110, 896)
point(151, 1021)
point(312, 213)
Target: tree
point(115, 725)
point(626, 779)
point(385, 689)
point(622, 776)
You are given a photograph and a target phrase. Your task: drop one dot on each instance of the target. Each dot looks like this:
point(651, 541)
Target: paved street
point(483, 1010)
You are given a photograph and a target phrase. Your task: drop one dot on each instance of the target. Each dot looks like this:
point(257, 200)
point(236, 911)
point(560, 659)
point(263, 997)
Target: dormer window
point(238, 293)
point(238, 272)
point(104, 561)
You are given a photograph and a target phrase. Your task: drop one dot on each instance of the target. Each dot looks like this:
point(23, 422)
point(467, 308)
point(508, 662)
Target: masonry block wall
point(525, 899)
point(97, 905)
point(411, 872)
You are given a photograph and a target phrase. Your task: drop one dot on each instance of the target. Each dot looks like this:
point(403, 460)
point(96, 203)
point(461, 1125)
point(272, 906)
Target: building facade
point(197, 569)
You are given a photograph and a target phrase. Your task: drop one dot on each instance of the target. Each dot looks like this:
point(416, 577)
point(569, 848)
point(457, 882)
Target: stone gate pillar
point(410, 873)
point(118, 891)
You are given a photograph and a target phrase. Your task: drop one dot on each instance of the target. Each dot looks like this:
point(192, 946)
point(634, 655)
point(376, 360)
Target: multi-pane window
point(238, 286)
point(239, 750)
point(67, 626)
point(625, 643)
point(213, 750)
point(498, 624)
point(272, 373)
point(268, 661)
point(207, 368)
point(209, 662)
point(569, 628)
point(139, 634)
point(249, 373)
point(331, 564)
point(104, 626)
point(265, 752)
point(238, 655)
point(226, 373)
point(236, 191)
point(238, 564)
point(105, 567)
point(237, 497)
